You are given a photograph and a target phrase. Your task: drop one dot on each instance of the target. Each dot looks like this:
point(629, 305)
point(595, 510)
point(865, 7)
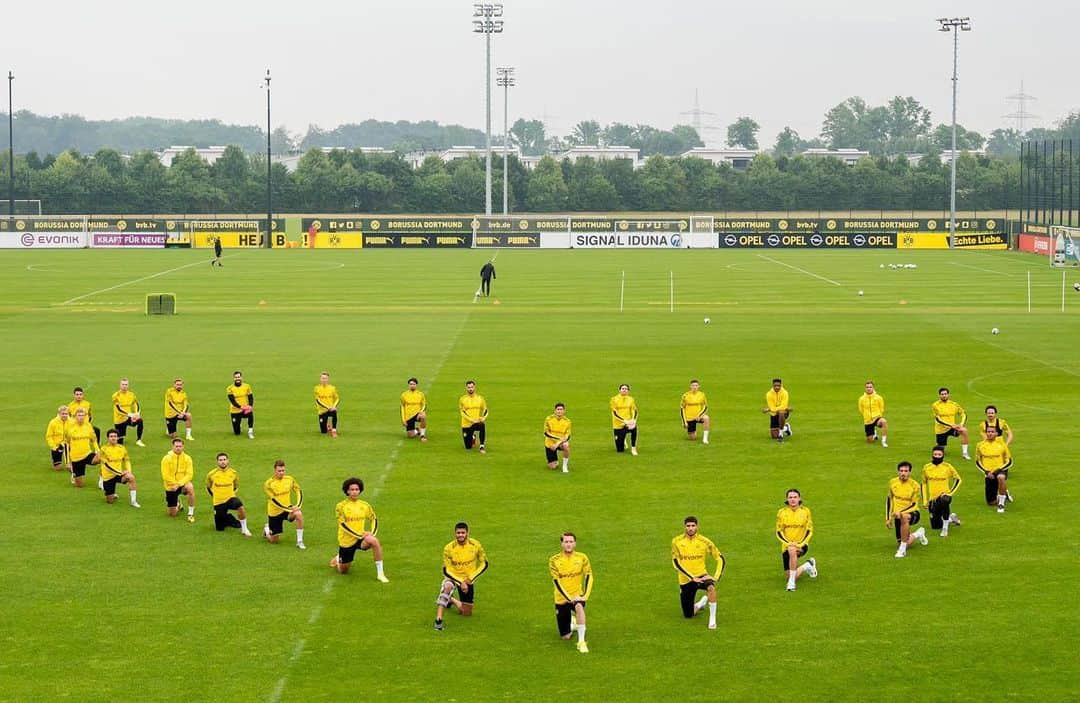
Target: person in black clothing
point(487, 272)
point(217, 252)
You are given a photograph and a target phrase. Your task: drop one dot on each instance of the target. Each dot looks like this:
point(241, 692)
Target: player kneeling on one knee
point(463, 562)
point(353, 516)
point(794, 528)
point(902, 509)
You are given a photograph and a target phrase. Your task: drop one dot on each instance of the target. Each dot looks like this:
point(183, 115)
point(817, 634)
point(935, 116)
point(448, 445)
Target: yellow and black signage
point(862, 225)
point(509, 241)
point(418, 241)
point(592, 224)
point(999, 240)
point(802, 240)
point(229, 240)
point(519, 225)
point(659, 225)
point(417, 224)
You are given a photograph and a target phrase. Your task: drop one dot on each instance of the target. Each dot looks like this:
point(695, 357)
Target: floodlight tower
point(11, 148)
point(269, 191)
point(506, 80)
point(954, 25)
point(483, 23)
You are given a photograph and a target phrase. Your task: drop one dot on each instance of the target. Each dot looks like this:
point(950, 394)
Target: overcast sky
point(333, 62)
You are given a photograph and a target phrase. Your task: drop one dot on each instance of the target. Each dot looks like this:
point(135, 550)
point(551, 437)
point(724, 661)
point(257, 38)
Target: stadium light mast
point(269, 191)
point(11, 148)
point(954, 25)
point(506, 80)
point(484, 24)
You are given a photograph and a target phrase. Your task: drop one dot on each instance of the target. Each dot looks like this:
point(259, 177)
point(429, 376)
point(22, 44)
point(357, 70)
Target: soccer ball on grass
point(708, 321)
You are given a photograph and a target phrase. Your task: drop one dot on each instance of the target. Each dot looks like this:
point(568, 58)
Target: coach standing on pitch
point(487, 272)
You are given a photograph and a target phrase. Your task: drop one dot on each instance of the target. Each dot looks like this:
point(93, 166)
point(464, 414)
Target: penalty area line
point(796, 268)
point(138, 280)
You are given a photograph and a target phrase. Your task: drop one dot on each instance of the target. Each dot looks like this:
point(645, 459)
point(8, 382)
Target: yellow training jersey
point(176, 402)
point(572, 576)
point(693, 405)
point(992, 456)
point(352, 520)
point(114, 461)
point(124, 403)
point(939, 479)
point(903, 497)
point(946, 415)
point(85, 405)
point(56, 432)
point(221, 484)
point(412, 402)
point(777, 400)
point(279, 492)
point(81, 441)
point(872, 407)
point(688, 556)
point(326, 397)
point(473, 409)
point(794, 525)
point(623, 408)
point(556, 430)
point(1002, 427)
point(241, 394)
point(176, 469)
point(464, 561)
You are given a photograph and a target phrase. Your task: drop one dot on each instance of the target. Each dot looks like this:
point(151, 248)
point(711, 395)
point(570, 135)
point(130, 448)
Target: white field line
point(800, 270)
point(1008, 372)
point(373, 489)
point(137, 280)
point(979, 268)
point(1062, 369)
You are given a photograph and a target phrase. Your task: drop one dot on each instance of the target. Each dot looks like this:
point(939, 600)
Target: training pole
point(622, 291)
point(1062, 290)
point(672, 291)
point(1029, 290)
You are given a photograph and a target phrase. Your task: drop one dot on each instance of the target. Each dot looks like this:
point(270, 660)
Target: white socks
point(378, 568)
point(712, 614)
point(299, 536)
point(191, 510)
point(580, 633)
point(701, 603)
point(565, 465)
point(243, 525)
point(705, 437)
point(423, 432)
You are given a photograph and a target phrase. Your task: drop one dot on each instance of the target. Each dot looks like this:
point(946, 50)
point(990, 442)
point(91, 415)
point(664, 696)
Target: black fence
point(1050, 182)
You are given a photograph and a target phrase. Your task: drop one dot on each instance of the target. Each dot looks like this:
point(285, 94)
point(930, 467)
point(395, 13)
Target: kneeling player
point(353, 515)
point(280, 505)
point(116, 468)
point(126, 412)
point(688, 553)
point(222, 483)
point(571, 572)
point(414, 411)
point(994, 459)
point(940, 481)
point(902, 509)
point(474, 412)
point(778, 406)
point(794, 528)
point(693, 406)
point(56, 436)
point(82, 447)
point(326, 405)
point(557, 438)
point(872, 408)
point(463, 562)
point(177, 471)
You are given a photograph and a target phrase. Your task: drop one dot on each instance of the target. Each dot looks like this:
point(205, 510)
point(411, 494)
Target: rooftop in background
point(736, 157)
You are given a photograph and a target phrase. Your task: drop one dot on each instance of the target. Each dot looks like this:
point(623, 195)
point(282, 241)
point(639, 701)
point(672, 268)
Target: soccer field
point(106, 602)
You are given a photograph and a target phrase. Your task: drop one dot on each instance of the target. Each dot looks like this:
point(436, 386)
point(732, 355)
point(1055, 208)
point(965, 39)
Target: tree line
point(352, 181)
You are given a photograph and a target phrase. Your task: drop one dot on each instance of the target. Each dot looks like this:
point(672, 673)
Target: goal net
point(1064, 246)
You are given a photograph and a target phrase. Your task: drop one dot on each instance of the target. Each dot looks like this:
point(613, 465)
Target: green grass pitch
point(109, 603)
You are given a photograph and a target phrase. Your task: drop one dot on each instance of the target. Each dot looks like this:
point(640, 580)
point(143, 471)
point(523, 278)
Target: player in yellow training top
point(221, 484)
point(940, 482)
point(902, 509)
point(624, 417)
point(280, 506)
point(326, 405)
point(694, 408)
point(794, 528)
point(949, 420)
point(353, 516)
point(241, 404)
point(778, 405)
point(992, 418)
point(994, 459)
point(177, 408)
point(688, 553)
point(126, 412)
point(82, 447)
point(872, 407)
point(414, 411)
point(557, 438)
point(572, 575)
point(79, 401)
point(463, 562)
point(56, 436)
point(116, 468)
point(474, 411)
point(177, 472)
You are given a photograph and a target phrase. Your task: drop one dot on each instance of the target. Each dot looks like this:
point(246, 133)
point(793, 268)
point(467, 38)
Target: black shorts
point(172, 498)
point(57, 456)
point(551, 454)
point(277, 522)
point(468, 596)
point(802, 552)
point(912, 523)
point(170, 424)
point(410, 424)
point(942, 438)
point(871, 429)
point(563, 611)
point(233, 503)
point(78, 467)
point(691, 426)
point(345, 554)
point(774, 422)
point(687, 593)
point(109, 485)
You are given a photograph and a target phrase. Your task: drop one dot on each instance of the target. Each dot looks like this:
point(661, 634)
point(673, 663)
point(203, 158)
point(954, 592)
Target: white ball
point(860, 293)
point(1076, 286)
point(995, 331)
point(708, 321)
point(881, 266)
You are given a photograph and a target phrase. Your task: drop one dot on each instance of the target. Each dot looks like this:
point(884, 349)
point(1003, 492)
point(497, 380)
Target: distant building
point(208, 154)
point(736, 157)
point(848, 156)
point(291, 161)
point(601, 153)
point(946, 154)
